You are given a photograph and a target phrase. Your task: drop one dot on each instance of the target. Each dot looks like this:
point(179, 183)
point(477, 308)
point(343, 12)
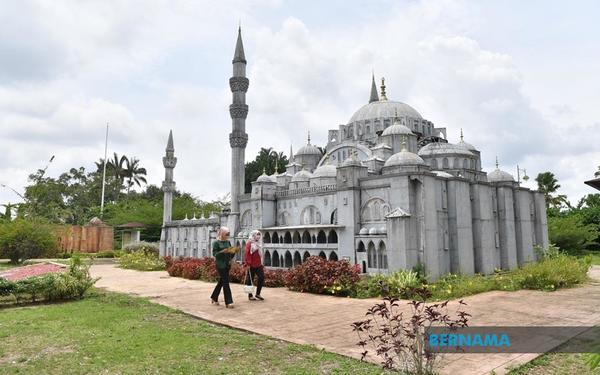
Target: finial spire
point(309, 137)
point(497, 166)
point(264, 170)
point(382, 96)
point(461, 135)
point(404, 149)
point(374, 97)
point(239, 55)
point(277, 165)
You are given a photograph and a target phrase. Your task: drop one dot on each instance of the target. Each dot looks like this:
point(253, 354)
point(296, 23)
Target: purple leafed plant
point(398, 337)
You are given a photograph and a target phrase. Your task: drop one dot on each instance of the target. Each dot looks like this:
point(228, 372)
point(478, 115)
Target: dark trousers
point(258, 272)
point(224, 283)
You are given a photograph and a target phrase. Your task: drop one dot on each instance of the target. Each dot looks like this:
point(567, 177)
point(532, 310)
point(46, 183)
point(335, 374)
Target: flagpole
point(104, 172)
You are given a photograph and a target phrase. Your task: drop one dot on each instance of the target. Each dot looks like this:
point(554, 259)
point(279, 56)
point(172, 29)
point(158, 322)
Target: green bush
point(402, 280)
point(141, 261)
point(106, 254)
point(554, 272)
point(25, 239)
point(571, 234)
point(146, 247)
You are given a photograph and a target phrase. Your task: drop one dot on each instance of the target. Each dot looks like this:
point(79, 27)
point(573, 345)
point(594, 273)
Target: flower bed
point(24, 272)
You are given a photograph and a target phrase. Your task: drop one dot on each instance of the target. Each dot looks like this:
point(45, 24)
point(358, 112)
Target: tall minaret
point(168, 186)
point(238, 137)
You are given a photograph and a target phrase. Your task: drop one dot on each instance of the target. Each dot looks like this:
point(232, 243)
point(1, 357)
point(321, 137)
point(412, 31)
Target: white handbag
point(249, 289)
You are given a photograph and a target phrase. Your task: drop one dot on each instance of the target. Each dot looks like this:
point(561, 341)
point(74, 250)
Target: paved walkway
point(325, 320)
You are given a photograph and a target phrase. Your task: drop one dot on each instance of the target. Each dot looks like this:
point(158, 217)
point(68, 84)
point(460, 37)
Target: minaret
point(168, 186)
point(238, 137)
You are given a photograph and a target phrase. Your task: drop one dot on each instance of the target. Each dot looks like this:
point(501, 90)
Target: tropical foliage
point(266, 160)
point(24, 239)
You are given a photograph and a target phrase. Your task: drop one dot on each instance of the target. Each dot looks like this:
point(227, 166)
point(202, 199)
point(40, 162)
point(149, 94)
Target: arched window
point(371, 255)
point(288, 259)
point(456, 163)
point(305, 256)
point(374, 210)
point(310, 215)
point(333, 217)
point(333, 256)
point(267, 259)
point(306, 237)
point(275, 238)
point(473, 164)
point(297, 259)
point(434, 164)
point(332, 238)
point(267, 238)
point(275, 260)
point(465, 164)
point(361, 247)
point(445, 163)
point(322, 255)
point(321, 237)
point(382, 256)
point(287, 238)
point(296, 237)
point(314, 239)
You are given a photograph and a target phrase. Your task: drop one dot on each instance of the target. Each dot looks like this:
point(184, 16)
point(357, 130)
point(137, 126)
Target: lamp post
point(525, 177)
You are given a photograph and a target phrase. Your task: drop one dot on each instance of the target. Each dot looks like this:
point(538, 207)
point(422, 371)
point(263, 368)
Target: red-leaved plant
point(318, 275)
point(398, 337)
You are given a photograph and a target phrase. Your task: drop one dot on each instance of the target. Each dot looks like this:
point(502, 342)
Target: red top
point(251, 259)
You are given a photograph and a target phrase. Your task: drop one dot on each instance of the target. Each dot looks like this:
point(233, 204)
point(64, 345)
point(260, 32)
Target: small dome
point(384, 109)
point(351, 162)
point(302, 176)
point(442, 148)
point(442, 174)
point(266, 178)
point(96, 221)
point(397, 129)
point(404, 158)
point(466, 146)
point(373, 231)
point(363, 231)
point(326, 170)
point(500, 176)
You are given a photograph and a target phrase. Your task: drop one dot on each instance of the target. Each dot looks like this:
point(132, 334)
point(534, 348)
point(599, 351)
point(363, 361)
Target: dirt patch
point(24, 272)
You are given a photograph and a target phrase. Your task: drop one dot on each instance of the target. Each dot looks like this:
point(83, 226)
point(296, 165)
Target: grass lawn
point(6, 266)
point(113, 333)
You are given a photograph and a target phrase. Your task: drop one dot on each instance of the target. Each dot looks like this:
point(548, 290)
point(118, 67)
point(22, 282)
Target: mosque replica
point(390, 193)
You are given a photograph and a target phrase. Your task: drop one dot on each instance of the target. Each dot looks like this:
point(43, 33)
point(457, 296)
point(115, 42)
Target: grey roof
point(441, 148)
point(397, 212)
point(170, 142)
point(442, 174)
point(266, 178)
point(466, 146)
point(500, 176)
point(239, 55)
point(404, 158)
point(327, 170)
point(309, 149)
point(374, 97)
point(384, 109)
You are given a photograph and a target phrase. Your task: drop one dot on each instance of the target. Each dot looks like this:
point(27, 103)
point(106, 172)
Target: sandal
point(251, 298)
point(259, 297)
point(230, 306)
point(213, 302)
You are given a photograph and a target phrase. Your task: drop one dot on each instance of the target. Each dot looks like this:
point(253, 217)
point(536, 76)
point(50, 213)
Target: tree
point(8, 212)
point(24, 239)
point(266, 160)
point(548, 184)
point(134, 173)
point(597, 173)
point(115, 166)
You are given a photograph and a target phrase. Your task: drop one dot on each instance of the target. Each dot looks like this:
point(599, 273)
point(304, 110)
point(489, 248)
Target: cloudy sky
point(520, 78)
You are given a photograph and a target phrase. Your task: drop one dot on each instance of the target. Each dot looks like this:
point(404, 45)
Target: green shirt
point(222, 259)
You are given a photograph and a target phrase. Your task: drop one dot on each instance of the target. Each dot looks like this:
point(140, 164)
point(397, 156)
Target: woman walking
point(222, 262)
point(253, 260)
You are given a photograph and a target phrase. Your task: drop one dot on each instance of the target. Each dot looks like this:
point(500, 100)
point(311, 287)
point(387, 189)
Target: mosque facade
point(390, 192)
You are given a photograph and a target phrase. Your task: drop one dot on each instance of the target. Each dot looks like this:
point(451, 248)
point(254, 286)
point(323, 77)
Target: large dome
point(384, 109)
point(442, 148)
point(403, 158)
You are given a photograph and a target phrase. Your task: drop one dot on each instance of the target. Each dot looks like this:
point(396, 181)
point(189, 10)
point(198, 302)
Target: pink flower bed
point(24, 272)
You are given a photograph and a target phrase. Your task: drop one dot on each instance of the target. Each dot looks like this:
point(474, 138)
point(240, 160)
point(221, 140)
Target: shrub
point(275, 278)
point(25, 239)
point(106, 254)
point(400, 339)
point(571, 234)
point(146, 247)
point(553, 272)
point(141, 261)
point(318, 275)
point(370, 286)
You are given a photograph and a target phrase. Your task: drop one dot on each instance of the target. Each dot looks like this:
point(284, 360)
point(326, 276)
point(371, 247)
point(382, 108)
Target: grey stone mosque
point(390, 193)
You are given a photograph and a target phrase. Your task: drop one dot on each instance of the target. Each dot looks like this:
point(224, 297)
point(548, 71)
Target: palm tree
point(8, 212)
point(115, 165)
point(134, 173)
point(597, 174)
point(548, 184)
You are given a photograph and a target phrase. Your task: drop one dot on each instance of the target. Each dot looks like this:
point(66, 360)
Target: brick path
point(325, 320)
